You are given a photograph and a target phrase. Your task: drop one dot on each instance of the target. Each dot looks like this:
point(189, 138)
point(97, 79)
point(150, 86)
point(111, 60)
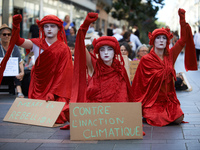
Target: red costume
point(153, 82)
point(13, 40)
point(52, 74)
point(108, 83)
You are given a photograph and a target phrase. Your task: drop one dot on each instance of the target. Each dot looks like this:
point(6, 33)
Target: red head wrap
point(110, 41)
point(162, 31)
point(54, 20)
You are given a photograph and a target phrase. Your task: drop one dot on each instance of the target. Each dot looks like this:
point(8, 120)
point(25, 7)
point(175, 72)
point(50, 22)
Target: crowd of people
point(89, 67)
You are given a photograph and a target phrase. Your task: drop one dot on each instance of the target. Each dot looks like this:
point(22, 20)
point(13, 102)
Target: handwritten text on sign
point(12, 67)
point(100, 121)
point(35, 112)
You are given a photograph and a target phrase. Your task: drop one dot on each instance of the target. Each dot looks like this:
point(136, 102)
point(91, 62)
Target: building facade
point(77, 9)
point(192, 8)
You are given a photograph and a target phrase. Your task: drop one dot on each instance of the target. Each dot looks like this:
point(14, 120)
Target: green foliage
point(137, 13)
point(160, 24)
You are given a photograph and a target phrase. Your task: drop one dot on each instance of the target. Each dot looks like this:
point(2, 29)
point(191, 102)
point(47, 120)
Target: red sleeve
point(175, 51)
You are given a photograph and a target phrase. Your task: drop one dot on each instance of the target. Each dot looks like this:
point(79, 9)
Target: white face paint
point(50, 30)
point(160, 42)
point(107, 53)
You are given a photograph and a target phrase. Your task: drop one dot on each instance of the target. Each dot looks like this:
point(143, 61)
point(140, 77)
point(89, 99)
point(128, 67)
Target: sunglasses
point(8, 34)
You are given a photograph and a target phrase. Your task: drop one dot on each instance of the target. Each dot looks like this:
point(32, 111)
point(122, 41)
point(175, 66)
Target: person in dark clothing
point(34, 31)
point(110, 30)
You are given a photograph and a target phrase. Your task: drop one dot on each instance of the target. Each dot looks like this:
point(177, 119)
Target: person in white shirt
point(197, 45)
point(117, 34)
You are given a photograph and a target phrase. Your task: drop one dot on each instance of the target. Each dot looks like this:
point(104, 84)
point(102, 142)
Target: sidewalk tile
point(193, 146)
point(167, 135)
point(56, 145)
point(31, 135)
point(181, 141)
point(149, 141)
point(20, 146)
point(43, 141)
point(168, 147)
point(132, 147)
point(89, 146)
point(69, 141)
point(13, 140)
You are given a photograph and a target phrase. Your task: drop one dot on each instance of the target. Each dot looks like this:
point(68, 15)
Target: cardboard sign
point(34, 112)
point(127, 65)
point(12, 67)
point(133, 68)
point(103, 121)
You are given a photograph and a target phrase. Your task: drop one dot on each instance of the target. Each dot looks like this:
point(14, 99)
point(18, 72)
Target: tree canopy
point(136, 12)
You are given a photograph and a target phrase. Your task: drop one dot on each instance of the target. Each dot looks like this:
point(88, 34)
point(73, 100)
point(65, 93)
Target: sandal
point(20, 95)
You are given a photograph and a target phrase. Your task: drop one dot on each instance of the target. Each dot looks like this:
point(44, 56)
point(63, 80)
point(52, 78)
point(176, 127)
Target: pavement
point(185, 136)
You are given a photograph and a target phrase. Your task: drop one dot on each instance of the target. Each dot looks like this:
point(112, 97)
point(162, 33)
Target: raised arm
point(25, 43)
point(187, 41)
point(176, 49)
point(91, 17)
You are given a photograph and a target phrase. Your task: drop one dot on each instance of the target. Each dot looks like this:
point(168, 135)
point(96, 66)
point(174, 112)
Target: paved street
point(173, 137)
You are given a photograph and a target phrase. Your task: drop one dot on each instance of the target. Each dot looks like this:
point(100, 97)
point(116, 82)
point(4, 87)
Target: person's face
point(106, 54)
point(143, 51)
point(72, 50)
point(123, 50)
point(71, 31)
point(5, 35)
point(160, 42)
point(67, 18)
point(50, 30)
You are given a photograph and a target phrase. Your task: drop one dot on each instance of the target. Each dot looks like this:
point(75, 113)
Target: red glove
point(50, 97)
point(91, 17)
point(181, 13)
point(183, 39)
point(16, 25)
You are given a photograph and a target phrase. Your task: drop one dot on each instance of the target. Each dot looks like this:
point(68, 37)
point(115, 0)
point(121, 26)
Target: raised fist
point(91, 17)
point(181, 13)
point(17, 19)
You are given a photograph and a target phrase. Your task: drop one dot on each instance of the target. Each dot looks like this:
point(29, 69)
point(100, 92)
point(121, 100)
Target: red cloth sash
point(52, 72)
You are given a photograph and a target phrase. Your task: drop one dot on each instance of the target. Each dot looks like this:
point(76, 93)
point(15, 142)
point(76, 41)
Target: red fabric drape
point(79, 79)
point(190, 52)
point(52, 73)
point(153, 86)
point(13, 40)
point(153, 82)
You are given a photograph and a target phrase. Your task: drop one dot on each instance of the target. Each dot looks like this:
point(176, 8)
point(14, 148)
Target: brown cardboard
point(133, 68)
point(127, 65)
point(105, 121)
point(34, 112)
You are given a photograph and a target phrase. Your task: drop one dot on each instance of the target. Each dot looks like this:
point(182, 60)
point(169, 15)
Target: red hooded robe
point(108, 83)
point(153, 83)
point(53, 69)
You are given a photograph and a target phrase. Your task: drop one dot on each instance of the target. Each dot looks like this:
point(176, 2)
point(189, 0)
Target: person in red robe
point(102, 78)
point(107, 77)
point(52, 74)
point(153, 84)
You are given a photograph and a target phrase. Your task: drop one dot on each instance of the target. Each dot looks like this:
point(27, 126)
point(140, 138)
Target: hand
point(91, 17)
point(50, 97)
point(16, 25)
point(20, 76)
point(181, 13)
point(17, 19)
